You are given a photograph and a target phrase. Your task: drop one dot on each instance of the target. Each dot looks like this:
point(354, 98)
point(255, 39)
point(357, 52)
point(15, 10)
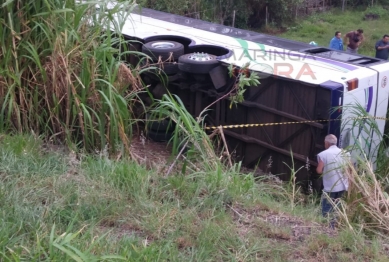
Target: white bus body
point(341, 79)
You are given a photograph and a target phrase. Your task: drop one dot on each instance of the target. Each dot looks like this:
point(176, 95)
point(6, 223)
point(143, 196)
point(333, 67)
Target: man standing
point(336, 42)
point(332, 164)
point(382, 48)
point(353, 40)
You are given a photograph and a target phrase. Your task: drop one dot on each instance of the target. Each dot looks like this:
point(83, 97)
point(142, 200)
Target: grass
point(322, 27)
point(59, 206)
point(61, 75)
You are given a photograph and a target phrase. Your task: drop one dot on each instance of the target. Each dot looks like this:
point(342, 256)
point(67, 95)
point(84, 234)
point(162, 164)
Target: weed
point(292, 182)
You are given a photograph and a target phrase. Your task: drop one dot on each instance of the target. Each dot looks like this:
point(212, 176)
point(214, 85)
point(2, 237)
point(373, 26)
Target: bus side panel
point(356, 133)
point(381, 107)
point(271, 147)
point(335, 106)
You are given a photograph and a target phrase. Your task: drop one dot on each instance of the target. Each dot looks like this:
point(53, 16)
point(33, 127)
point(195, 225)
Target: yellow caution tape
point(296, 122)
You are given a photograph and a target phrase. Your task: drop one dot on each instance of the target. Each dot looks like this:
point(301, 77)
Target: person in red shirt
point(353, 40)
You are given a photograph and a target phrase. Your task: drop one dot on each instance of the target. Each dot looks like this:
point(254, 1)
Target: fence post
point(233, 19)
point(297, 8)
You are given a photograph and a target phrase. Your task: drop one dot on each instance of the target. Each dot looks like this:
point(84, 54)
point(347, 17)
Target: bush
point(374, 12)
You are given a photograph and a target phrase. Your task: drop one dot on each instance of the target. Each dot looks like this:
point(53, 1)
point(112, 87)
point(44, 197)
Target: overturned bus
point(313, 86)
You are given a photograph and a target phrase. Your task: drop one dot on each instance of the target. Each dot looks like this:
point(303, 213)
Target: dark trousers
point(326, 206)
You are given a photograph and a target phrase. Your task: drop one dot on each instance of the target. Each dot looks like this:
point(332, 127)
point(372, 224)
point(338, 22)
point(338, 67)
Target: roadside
point(98, 206)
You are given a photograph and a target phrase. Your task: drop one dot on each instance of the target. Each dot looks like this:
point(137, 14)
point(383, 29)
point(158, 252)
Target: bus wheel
point(197, 63)
point(163, 49)
point(159, 136)
point(162, 125)
point(169, 68)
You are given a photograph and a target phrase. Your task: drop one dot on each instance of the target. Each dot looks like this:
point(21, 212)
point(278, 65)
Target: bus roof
point(264, 53)
point(261, 38)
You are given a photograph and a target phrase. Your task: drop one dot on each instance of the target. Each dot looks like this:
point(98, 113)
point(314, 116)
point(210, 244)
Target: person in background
point(353, 40)
point(332, 164)
point(382, 48)
point(336, 42)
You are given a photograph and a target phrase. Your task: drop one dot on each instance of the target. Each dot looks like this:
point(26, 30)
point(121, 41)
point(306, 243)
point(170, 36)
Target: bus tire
point(161, 125)
point(197, 63)
point(159, 136)
point(164, 49)
point(169, 68)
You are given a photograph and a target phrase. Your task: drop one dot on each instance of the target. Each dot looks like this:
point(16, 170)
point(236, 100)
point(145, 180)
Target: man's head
point(338, 34)
point(360, 31)
point(385, 38)
point(330, 140)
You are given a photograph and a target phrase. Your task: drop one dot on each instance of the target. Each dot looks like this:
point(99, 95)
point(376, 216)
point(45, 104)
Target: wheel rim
point(200, 57)
point(162, 45)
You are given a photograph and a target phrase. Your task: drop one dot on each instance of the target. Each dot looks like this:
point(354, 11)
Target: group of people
point(353, 40)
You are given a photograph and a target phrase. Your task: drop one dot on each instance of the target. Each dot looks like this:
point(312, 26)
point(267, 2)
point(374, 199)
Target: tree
point(249, 13)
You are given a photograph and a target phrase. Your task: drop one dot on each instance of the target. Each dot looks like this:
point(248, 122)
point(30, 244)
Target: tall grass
point(189, 134)
point(366, 142)
point(61, 75)
point(366, 207)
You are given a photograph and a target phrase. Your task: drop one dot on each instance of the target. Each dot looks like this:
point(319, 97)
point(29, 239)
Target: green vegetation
point(252, 14)
point(58, 206)
point(322, 27)
point(247, 13)
point(60, 75)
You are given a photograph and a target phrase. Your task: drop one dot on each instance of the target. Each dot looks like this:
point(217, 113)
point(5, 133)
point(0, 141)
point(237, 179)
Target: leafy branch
point(244, 78)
